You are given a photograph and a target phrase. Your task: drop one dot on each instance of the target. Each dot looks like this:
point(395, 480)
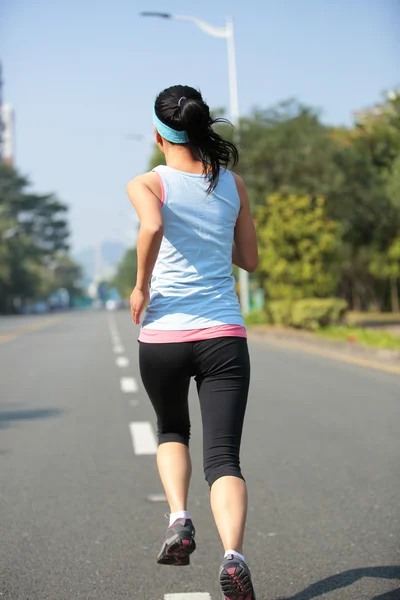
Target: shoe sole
point(236, 584)
point(176, 552)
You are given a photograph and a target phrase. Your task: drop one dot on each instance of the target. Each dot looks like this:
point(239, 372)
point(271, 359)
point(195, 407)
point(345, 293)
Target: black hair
point(183, 108)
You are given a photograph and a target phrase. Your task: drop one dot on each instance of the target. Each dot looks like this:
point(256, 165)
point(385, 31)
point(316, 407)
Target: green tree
point(33, 230)
point(298, 247)
point(393, 183)
point(287, 150)
point(386, 265)
point(367, 201)
point(67, 274)
point(7, 229)
point(125, 277)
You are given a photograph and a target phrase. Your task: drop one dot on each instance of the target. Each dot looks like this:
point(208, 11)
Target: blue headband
point(172, 135)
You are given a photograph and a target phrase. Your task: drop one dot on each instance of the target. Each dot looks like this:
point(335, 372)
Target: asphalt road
point(321, 454)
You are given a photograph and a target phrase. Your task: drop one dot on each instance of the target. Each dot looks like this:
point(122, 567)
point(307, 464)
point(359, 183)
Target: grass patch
point(346, 333)
point(361, 319)
point(367, 337)
point(256, 317)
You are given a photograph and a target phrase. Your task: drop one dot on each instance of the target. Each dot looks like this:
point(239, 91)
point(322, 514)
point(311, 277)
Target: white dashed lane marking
point(143, 437)
point(121, 361)
point(193, 596)
point(129, 385)
point(144, 440)
point(145, 443)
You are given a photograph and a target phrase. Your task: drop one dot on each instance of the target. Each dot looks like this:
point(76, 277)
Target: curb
point(366, 356)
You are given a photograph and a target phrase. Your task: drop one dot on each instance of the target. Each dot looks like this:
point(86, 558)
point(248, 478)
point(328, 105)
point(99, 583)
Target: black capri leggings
point(221, 368)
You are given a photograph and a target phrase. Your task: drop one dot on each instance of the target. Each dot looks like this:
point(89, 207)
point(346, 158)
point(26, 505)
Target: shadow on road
point(7, 417)
point(342, 580)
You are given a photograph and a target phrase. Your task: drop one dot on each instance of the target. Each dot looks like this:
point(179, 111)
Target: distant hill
point(104, 258)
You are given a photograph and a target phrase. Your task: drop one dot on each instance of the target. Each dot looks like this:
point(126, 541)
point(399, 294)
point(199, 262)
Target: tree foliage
point(33, 242)
point(386, 265)
point(286, 150)
point(289, 158)
point(125, 277)
point(298, 247)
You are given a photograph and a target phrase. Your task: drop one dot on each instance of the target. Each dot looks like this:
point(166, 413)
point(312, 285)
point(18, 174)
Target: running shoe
point(235, 579)
point(178, 544)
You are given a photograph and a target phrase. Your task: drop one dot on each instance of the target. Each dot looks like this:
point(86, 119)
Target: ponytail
point(183, 109)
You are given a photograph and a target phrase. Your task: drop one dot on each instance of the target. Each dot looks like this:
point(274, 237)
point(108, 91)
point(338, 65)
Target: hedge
point(309, 313)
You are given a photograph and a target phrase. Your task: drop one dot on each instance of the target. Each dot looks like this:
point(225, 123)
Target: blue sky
point(82, 75)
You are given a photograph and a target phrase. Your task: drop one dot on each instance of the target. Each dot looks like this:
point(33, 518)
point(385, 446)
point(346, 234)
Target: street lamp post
point(227, 33)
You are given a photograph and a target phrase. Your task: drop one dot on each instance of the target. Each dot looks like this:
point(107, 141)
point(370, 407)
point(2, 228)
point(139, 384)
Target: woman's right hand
point(138, 300)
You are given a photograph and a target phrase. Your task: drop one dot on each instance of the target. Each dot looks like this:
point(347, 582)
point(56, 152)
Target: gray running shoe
point(178, 544)
point(235, 579)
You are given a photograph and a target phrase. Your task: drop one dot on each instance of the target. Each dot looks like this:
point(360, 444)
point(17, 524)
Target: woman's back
point(192, 285)
point(195, 221)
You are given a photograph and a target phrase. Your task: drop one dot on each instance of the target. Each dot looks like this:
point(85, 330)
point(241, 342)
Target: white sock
point(181, 514)
point(228, 552)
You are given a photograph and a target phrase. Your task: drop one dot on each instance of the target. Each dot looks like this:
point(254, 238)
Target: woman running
point(195, 221)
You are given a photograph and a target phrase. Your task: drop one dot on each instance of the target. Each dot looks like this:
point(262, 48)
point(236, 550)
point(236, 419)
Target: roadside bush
point(317, 312)
point(257, 317)
point(280, 312)
point(309, 313)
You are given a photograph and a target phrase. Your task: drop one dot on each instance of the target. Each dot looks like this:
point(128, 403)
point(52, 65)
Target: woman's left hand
point(138, 301)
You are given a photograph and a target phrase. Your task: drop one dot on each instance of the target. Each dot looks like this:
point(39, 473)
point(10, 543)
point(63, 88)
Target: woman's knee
point(173, 427)
point(214, 472)
point(180, 438)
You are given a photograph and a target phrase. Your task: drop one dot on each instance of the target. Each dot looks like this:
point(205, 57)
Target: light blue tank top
point(192, 286)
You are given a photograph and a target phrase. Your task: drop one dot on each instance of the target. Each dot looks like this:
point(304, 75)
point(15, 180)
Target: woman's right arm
point(142, 192)
point(245, 250)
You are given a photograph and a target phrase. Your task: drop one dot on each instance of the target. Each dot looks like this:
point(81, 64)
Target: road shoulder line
point(332, 354)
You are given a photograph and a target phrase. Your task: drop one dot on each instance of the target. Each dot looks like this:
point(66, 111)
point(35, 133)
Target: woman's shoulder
point(238, 180)
point(235, 179)
point(149, 179)
point(240, 185)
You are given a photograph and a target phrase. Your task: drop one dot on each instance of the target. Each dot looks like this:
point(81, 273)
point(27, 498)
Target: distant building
point(7, 151)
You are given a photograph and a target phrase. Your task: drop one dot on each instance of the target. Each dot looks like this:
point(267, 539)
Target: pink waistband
point(158, 336)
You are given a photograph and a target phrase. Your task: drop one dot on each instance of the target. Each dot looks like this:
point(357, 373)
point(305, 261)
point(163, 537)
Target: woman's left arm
point(141, 192)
